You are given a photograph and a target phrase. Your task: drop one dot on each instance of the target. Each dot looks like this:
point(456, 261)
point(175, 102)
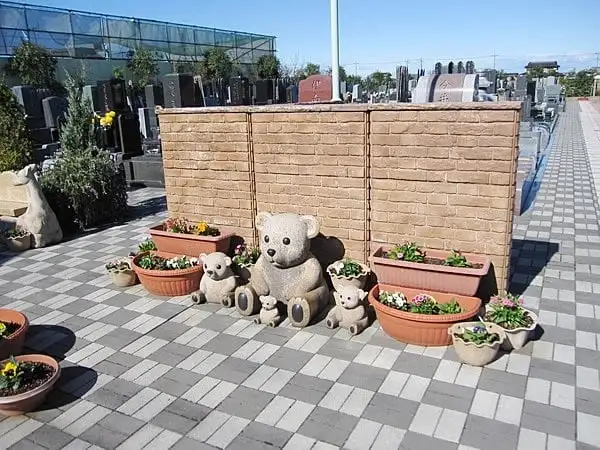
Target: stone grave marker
point(54, 107)
point(148, 122)
point(239, 91)
point(130, 141)
point(91, 93)
point(458, 87)
point(29, 99)
point(112, 95)
point(291, 94)
point(178, 90)
point(262, 92)
point(316, 88)
point(154, 96)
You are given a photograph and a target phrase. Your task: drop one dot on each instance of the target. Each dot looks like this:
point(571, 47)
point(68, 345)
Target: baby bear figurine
point(349, 311)
point(218, 282)
point(269, 313)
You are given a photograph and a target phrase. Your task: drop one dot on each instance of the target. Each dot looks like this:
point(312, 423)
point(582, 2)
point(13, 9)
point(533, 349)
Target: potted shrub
point(161, 274)
point(410, 266)
point(418, 317)
point(25, 381)
point(347, 272)
point(476, 343)
point(17, 239)
point(178, 236)
point(121, 273)
point(244, 259)
point(13, 329)
point(507, 311)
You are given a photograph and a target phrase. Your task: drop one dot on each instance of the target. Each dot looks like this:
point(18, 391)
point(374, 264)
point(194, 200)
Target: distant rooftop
point(542, 65)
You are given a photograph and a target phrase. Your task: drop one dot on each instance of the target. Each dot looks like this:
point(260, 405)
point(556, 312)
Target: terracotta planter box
point(19, 244)
point(176, 244)
point(421, 329)
point(16, 405)
point(430, 277)
point(13, 344)
point(169, 283)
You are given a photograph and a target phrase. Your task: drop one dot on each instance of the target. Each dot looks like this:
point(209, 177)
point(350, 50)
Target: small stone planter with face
point(121, 273)
point(17, 239)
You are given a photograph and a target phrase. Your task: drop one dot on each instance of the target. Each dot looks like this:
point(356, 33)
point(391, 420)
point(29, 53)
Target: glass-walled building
point(94, 36)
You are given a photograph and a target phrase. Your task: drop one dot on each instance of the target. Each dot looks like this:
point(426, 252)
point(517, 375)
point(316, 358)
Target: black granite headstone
point(154, 96)
point(263, 92)
point(54, 107)
point(29, 99)
point(112, 95)
point(178, 90)
point(291, 94)
point(91, 93)
point(130, 140)
point(238, 90)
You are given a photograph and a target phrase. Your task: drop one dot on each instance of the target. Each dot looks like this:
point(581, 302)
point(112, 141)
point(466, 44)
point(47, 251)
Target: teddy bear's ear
point(261, 219)
point(227, 261)
point(362, 294)
point(202, 256)
point(312, 226)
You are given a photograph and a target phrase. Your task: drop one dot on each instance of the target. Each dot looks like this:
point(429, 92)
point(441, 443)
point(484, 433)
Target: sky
point(380, 34)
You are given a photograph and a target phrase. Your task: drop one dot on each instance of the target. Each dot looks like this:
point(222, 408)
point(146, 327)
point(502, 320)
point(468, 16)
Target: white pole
point(335, 52)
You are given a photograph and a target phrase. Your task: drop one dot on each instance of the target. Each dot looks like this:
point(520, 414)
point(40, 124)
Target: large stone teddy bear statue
point(286, 269)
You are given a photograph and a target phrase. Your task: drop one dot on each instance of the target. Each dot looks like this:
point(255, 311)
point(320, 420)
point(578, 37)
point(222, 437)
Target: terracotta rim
point(533, 316)
point(224, 233)
point(17, 317)
point(162, 273)
point(491, 327)
point(435, 318)
point(366, 272)
point(377, 257)
point(27, 395)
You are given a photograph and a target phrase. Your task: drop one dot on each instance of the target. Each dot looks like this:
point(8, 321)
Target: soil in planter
point(528, 321)
point(44, 373)
point(435, 262)
point(11, 328)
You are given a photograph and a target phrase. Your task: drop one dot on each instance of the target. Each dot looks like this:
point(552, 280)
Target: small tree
point(268, 66)
point(15, 147)
point(76, 135)
point(215, 64)
point(144, 67)
point(34, 65)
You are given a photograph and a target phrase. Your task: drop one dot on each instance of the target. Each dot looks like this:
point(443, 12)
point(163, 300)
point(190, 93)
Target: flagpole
point(335, 52)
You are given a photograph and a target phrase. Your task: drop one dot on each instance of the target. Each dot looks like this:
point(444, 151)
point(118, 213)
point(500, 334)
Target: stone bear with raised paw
point(269, 313)
point(218, 281)
point(349, 311)
point(286, 269)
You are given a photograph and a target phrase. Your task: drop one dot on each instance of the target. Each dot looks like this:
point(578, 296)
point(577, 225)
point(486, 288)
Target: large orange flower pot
point(175, 244)
point(430, 277)
point(421, 329)
point(13, 344)
point(170, 283)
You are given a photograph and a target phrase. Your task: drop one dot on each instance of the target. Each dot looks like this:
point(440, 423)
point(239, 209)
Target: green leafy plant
point(245, 256)
point(120, 265)
point(184, 226)
point(478, 335)
point(143, 66)
point(15, 146)
point(16, 375)
point(14, 232)
point(507, 311)
point(33, 64)
point(147, 245)
point(268, 66)
point(216, 63)
point(409, 251)
point(8, 328)
point(347, 268)
point(457, 259)
point(155, 262)
point(77, 134)
point(117, 73)
point(419, 304)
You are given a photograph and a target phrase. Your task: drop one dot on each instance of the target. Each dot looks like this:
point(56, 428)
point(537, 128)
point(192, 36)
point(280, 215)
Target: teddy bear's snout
point(271, 252)
point(210, 272)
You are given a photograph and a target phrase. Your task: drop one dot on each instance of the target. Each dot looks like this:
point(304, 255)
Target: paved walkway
point(144, 372)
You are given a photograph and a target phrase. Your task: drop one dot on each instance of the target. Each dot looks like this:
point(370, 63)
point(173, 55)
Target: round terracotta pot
point(19, 244)
point(476, 355)
point(13, 344)
point(123, 279)
point(169, 283)
point(518, 337)
point(16, 405)
point(421, 329)
point(357, 281)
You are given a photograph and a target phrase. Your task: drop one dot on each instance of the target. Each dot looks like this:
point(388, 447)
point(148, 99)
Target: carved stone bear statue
point(349, 311)
point(218, 280)
point(269, 313)
point(286, 269)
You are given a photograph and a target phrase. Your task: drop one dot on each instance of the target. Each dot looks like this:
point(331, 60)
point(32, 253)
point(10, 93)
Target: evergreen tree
point(76, 135)
point(15, 147)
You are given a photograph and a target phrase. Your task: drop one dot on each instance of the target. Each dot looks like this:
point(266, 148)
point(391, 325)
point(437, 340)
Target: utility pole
point(335, 52)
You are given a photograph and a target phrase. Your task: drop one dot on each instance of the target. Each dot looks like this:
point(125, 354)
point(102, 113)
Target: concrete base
point(145, 171)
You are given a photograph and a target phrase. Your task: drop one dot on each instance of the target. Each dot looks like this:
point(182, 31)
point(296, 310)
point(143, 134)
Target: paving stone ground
point(154, 373)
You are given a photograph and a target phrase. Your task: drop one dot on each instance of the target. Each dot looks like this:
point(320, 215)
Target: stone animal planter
point(430, 277)
point(421, 329)
point(13, 344)
point(172, 244)
point(19, 244)
point(169, 283)
point(518, 337)
point(16, 405)
point(472, 354)
point(124, 279)
point(356, 281)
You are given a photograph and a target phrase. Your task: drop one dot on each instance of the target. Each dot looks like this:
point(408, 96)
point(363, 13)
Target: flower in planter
point(393, 299)
point(17, 377)
point(177, 225)
point(147, 245)
point(508, 312)
point(419, 304)
point(7, 328)
point(478, 334)
point(457, 259)
point(15, 232)
point(347, 268)
point(408, 251)
point(203, 229)
point(245, 256)
point(155, 262)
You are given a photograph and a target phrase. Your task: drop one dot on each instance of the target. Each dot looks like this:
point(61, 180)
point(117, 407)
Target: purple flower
point(421, 298)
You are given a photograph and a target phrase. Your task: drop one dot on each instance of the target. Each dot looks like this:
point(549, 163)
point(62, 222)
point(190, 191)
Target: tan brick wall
point(441, 175)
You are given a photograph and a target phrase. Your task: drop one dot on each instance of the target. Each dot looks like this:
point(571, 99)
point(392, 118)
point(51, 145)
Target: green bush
point(15, 147)
point(34, 65)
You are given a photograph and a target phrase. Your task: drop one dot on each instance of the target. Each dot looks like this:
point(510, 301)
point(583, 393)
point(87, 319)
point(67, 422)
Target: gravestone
point(130, 141)
point(316, 88)
point(438, 68)
point(148, 123)
point(356, 93)
point(402, 90)
point(262, 92)
point(112, 95)
point(239, 91)
point(91, 93)
point(54, 107)
point(280, 91)
point(29, 98)
point(458, 87)
point(291, 94)
point(178, 90)
point(154, 96)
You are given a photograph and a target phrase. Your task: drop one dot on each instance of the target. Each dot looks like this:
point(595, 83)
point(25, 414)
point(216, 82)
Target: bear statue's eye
point(205, 266)
point(349, 298)
point(267, 239)
point(286, 241)
point(218, 266)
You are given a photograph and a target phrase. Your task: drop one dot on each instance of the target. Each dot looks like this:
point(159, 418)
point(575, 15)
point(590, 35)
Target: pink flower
point(507, 302)
point(421, 298)
point(496, 301)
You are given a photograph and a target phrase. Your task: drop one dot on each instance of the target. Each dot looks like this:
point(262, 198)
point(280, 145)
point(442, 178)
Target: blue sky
point(379, 34)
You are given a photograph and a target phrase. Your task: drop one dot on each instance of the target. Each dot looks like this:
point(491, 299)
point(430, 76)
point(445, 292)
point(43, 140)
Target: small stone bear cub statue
point(269, 314)
point(218, 282)
point(349, 311)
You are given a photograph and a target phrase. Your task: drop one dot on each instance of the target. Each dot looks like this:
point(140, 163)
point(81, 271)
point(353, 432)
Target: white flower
point(338, 266)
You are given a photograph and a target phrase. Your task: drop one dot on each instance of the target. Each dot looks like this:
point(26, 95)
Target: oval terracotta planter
point(357, 281)
point(175, 244)
point(430, 277)
point(13, 344)
point(16, 405)
point(123, 279)
point(421, 329)
point(19, 244)
point(170, 283)
point(476, 355)
point(518, 337)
